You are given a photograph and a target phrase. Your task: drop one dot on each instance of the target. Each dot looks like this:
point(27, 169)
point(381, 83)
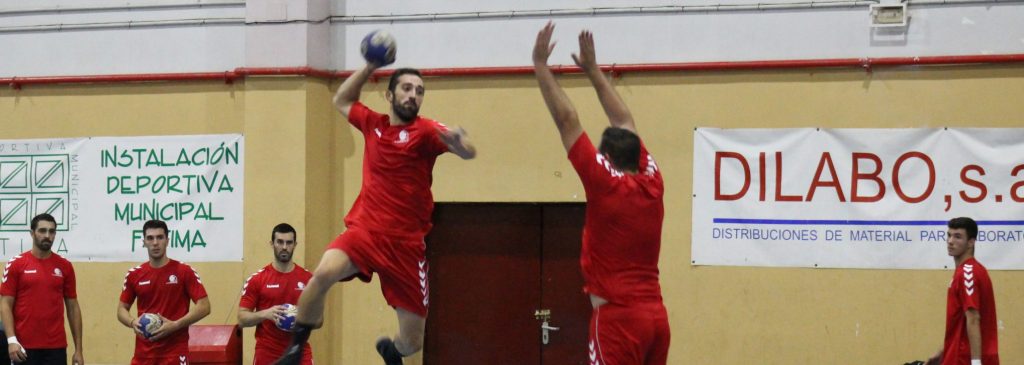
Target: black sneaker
point(386, 349)
point(292, 356)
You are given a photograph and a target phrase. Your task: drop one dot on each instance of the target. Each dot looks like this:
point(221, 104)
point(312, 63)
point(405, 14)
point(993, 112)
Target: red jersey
point(398, 165)
point(971, 288)
point(267, 288)
point(165, 291)
point(622, 231)
point(39, 287)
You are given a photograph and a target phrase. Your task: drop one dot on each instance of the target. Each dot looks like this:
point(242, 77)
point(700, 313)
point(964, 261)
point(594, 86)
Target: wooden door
point(491, 266)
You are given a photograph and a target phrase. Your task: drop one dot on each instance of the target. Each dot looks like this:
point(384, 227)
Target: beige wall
point(303, 166)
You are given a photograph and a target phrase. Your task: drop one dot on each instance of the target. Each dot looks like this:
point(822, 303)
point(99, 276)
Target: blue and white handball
point(148, 323)
point(379, 48)
point(288, 322)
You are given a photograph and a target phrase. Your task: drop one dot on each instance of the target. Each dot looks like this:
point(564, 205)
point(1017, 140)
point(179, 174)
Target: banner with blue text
point(855, 198)
point(101, 190)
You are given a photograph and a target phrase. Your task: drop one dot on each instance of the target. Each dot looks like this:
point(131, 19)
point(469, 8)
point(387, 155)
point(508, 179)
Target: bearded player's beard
point(407, 112)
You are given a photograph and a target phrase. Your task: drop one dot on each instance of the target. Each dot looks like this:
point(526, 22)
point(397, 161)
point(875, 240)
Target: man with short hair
point(34, 281)
point(265, 293)
point(386, 225)
point(971, 325)
point(163, 287)
point(625, 210)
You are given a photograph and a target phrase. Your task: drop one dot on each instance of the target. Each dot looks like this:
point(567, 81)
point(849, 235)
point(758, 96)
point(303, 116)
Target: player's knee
point(411, 343)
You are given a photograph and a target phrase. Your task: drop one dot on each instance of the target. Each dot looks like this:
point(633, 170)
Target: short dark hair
point(152, 224)
point(42, 217)
point(622, 147)
point(967, 224)
point(398, 73)
point(283, 228)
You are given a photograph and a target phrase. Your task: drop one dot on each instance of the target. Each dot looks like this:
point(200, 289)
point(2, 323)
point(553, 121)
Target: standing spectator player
point(34, 281)
point(972, 335)
point(265, 293)
point(625, 210)
point(163, 287)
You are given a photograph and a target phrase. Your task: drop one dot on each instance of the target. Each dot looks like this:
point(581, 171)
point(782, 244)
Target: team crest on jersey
point(403, 136)
point(173, 279)
point(57, 273)
point(300, 286)
point(377, 130)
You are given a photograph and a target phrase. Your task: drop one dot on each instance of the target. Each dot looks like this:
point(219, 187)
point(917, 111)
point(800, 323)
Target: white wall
point(450, 33)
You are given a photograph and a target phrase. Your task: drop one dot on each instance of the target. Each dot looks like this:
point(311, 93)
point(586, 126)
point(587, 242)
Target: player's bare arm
point(248, 318)
point(195, 313)
point(126, 318)
point(458, 142)
point(348, 92)
point(973, 319)
point(75, 321)
point(14, 350)
point(616, 110)
point(562, 111)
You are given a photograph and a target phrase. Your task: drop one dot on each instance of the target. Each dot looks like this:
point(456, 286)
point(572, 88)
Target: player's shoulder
point(17, 260)
point(184, 267)
point(61, 260)
point(302, 271)
point(137, 270)
point(256, 275)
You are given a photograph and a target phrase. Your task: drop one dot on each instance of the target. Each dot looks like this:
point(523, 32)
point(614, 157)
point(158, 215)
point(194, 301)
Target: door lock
point(544, 315)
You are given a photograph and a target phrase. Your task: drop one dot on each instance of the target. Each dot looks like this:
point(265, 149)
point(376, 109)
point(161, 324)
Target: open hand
point(542, 49)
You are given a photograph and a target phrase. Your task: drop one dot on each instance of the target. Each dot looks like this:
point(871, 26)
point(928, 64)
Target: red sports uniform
point(619, 258)
point(267, 288)
point(391, 216)
point(971, 288)
point(165, 291)
point(39, 287)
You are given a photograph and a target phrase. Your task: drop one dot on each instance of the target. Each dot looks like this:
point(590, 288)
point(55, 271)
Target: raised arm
point(348, 92)
point(616, 110)
point(558, 103)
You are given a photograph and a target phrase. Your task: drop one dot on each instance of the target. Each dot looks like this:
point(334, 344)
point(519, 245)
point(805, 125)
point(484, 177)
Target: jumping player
point(622, 231)
point(391, 216)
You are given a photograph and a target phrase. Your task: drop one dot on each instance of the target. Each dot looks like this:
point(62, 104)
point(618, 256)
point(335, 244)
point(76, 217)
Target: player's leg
point(334, 266)
point(658, 353)
point(404, 285)
point(409, 340)
point(614, 338)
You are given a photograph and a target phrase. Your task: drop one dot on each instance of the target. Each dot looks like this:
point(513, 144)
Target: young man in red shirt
point(971, 325)
point(265, 293)
point(163, 287)
point(33, 282)
point(391, 216)
point(625, 210)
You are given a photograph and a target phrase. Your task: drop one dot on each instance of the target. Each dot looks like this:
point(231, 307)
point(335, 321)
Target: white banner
point(102, 190)
point(855, 198)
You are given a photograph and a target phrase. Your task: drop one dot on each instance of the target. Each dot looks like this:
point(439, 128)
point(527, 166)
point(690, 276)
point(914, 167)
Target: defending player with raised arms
point(625, 210)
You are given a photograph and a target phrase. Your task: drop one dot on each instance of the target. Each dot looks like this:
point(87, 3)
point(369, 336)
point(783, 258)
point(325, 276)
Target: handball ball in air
point(148, 323)
point(288, 322)
point(379, 48)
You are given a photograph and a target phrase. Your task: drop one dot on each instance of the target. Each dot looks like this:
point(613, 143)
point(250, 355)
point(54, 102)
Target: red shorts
point(264, 356)
point(401, 263)
point(635, 334)
point(178, 359)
